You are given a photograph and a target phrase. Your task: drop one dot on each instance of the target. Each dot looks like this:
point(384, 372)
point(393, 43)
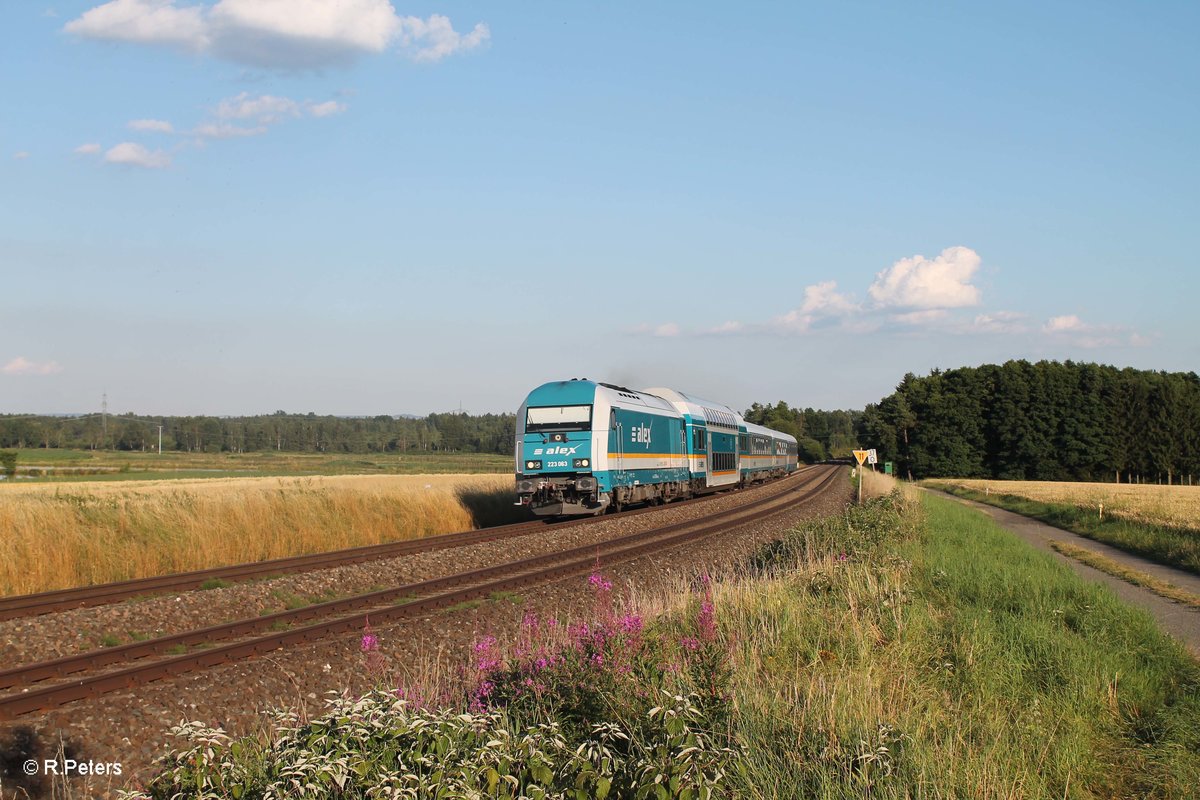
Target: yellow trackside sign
point(861, 455)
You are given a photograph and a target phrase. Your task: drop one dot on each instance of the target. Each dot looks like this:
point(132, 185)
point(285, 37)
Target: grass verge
point(953, 661)
point(1175, 547)
point(1137, 578)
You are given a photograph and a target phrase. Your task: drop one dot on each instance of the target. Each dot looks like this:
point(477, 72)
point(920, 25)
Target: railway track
point(29, 605)
point(246, 638)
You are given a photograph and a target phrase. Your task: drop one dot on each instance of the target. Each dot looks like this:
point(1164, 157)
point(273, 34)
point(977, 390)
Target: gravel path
point(132, 728)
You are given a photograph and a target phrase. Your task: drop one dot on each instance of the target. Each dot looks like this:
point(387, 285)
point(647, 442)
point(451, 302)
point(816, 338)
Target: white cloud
point(919, 282)
point(89, 149)
point(277, 34)
point(224, 130)
point(264, 108)
point(145, 22)
point(137, 155)
point(732, 326)
point(435, 38)
point(21, 155)
point(824, 299)
point(920, 318)
point(151, 125)
point(663, 330)
point(258, 113)
point(326, 109)
point(1000, 322)
point(821, 301)
point(1068, 322)
point(1069, 327)
point(23, 366)
point(667, 329)
point(792, 322)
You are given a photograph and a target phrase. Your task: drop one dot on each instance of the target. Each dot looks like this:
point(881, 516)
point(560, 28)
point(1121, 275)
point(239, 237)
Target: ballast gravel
point(132, 728)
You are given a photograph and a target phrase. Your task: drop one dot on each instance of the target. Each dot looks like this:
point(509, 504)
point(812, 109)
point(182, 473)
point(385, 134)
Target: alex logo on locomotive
point(640, 434)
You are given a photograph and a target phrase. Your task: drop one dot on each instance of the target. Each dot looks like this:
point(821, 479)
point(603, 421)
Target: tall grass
point(955, 663)
point(57, 536)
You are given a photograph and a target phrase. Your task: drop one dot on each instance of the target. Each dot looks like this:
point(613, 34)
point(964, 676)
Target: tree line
point(1040, 421)
point(1019, 420)
point(302, 433)
point(819, 434)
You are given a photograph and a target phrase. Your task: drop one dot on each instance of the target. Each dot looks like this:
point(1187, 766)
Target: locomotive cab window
point(558, 418)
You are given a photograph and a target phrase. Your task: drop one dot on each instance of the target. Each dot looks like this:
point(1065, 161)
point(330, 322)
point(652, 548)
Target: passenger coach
point(583, 447)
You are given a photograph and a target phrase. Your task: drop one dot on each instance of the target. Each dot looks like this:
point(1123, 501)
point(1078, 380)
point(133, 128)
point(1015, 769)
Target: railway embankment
point(237, 694)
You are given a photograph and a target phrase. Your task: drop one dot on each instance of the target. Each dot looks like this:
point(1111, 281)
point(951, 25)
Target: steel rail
point(482, 582)
point(30, 605)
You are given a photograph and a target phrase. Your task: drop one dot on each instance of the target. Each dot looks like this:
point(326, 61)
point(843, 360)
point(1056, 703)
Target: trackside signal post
point(860, 456)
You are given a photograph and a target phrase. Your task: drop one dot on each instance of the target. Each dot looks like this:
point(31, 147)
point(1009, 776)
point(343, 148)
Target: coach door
point(709, 478)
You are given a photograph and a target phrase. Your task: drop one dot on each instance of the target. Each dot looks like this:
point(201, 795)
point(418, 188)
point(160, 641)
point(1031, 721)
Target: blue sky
point(364, 207)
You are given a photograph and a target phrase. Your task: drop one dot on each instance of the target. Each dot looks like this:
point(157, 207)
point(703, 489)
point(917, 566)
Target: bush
point(8, 463)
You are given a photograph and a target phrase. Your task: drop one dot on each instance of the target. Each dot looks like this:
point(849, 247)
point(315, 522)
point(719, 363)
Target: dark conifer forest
point(1040, 421)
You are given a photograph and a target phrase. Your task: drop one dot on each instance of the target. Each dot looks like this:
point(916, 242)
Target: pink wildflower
point(706, 622)
point(369, 642)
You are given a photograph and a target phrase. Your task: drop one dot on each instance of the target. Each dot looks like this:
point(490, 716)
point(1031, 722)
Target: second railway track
point(30, 605)
point(390, 604)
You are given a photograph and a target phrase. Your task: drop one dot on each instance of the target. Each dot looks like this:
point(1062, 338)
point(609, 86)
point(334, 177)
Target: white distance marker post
point(861, 455)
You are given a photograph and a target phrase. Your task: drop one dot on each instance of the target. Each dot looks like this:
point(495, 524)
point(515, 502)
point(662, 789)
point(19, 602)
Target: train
point(585, 447)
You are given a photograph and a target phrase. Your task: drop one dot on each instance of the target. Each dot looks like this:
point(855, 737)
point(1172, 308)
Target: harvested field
point(72, 534)
point(1173, 506)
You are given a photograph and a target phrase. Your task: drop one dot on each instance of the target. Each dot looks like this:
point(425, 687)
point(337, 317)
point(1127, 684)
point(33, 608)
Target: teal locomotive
point(585, 447)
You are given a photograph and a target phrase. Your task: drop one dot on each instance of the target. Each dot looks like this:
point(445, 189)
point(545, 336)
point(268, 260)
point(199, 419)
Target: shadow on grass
point(490, 507)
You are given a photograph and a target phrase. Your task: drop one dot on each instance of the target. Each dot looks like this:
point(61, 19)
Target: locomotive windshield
point(559, 418)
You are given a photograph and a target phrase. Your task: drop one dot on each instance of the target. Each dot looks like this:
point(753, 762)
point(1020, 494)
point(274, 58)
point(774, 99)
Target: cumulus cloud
point(663, 330)
point(920, 318)
point(1068, 322)
point(732, 326)
point(225, 130)
point(326, 109)
point(264, 108)
point(1000, 322)
point(23, 366)
point(137, 155)
point(151, 125)
point(251, 115)
point(1070, 328)
point(145, 22)
point(277, 34)
point(919, 282)
point(89, 149)
point(667, 329)
point(435, 38)
point(821, 301)
point(21, 155)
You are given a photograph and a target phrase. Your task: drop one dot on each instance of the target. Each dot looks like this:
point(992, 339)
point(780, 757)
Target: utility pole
point(104, 421)
point(160, 427)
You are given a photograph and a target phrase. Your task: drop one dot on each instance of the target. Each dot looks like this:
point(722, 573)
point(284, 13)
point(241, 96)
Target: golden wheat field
point(1175, 506)
point(72, 534)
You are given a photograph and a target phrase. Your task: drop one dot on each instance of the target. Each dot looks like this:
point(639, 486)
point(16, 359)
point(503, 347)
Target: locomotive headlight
point(580, 463)
point(533, 465)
